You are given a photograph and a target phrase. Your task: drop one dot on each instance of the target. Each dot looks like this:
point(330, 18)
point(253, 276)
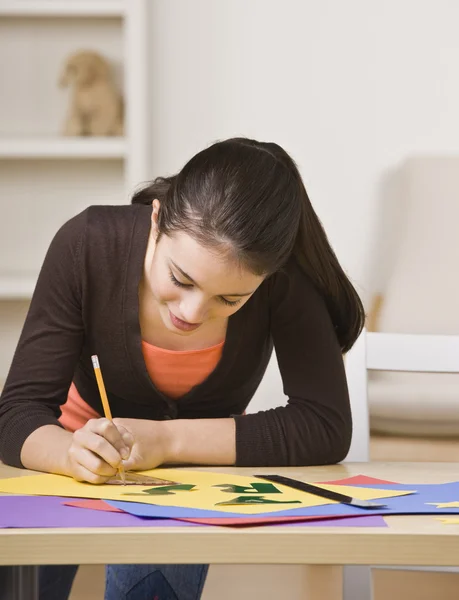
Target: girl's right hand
point(97, 450)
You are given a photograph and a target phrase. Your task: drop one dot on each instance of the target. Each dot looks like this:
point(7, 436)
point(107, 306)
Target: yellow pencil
point(105, 404)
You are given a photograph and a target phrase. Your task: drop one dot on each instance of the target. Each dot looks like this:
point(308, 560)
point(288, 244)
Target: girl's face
point(192, 285)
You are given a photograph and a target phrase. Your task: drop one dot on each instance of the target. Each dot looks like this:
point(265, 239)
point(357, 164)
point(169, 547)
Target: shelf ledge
point(61, 148)
point(61, 8)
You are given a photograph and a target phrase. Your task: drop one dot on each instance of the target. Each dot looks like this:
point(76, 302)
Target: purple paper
point(49, 511)
point(370, 521)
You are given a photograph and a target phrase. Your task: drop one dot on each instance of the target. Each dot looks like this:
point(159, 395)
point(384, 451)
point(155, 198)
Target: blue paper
point(417, 503)
point(170, 512)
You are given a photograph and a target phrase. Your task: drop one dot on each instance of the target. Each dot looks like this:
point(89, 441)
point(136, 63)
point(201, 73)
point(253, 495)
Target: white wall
point(350, 89)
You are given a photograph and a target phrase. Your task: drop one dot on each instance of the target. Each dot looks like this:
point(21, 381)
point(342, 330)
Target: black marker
point(323, 493)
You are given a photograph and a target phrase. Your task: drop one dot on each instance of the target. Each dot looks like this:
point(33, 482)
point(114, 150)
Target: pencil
point(105, 404)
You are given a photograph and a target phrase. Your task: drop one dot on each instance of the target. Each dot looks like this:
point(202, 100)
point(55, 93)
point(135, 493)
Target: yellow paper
point(454, 504)
point(203, 496)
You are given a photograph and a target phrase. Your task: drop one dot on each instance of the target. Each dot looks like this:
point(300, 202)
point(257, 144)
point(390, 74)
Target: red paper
point(241, 521)
point(358, 480)
point(94, 505)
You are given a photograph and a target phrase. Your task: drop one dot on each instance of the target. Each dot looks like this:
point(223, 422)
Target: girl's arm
point(93, 453)
point(194, 441)
point(46, 450)
point(315, 427)
point(46, 355)
point(201, 441)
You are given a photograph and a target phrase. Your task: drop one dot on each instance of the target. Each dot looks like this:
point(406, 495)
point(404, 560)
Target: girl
point(183, 295)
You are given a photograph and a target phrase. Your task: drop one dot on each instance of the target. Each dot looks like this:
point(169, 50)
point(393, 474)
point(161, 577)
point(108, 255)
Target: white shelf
point(63, 8)
point(83, 148)
point(16, 287)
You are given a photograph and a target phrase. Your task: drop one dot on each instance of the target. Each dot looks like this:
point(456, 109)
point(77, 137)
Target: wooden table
point(408, 541)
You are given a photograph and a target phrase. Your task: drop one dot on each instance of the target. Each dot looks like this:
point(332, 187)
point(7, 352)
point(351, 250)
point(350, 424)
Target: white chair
point(413, 270)
point(393, 352)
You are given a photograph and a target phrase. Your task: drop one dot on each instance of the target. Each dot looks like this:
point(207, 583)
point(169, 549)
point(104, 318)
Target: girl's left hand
point(151, 444)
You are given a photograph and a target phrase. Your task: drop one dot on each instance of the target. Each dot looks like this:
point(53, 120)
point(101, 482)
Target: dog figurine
point(96, 106)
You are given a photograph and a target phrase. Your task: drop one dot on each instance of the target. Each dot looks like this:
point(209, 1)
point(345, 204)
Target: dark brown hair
point(249, 196)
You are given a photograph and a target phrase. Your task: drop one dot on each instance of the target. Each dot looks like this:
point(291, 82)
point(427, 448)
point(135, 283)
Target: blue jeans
point(130, 582)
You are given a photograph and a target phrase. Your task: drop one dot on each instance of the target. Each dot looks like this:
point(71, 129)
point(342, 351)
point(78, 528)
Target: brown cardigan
point(86, 302)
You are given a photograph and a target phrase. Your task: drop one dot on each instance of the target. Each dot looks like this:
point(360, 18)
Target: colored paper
point(427, 500)
point(201, 490)
point(368, 521)
point(48, 511)
point(180, 512)
point(364, 521)
point(92, 505)
point(357, 480)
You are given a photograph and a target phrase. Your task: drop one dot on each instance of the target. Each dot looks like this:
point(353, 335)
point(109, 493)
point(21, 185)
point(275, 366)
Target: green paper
point(255, 500)
point(260, 488)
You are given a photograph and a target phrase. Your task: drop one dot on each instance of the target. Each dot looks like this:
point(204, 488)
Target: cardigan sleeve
point(315, 426)
point(49, 346)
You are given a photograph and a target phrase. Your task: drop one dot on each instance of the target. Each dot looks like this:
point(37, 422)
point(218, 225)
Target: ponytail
point(156, 190)
point(316, 257)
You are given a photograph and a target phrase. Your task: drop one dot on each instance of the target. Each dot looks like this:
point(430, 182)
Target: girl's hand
point(97, 450)
point(151, 446)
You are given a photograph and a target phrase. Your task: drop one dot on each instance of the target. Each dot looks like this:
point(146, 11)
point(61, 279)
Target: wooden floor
point(388, 584)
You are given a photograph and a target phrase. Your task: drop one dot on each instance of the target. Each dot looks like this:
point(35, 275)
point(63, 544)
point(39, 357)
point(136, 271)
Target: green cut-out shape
point(244, 500)
point(164, 490)
point(260, 488)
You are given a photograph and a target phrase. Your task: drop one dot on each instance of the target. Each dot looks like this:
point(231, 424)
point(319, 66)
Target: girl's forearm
point(201, 441)
point(46, 449)
point(194, 441)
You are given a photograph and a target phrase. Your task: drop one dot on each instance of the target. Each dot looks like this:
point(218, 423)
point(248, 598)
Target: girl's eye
point(229, 302)
point(177, 282)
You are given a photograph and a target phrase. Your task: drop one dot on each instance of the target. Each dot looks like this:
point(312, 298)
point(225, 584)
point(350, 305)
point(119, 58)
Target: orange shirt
point(173, 372)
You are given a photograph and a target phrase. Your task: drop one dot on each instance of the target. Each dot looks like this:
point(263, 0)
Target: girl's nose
point(194, 311)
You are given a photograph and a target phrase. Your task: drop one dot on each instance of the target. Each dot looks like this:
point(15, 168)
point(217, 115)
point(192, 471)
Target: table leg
point(323, 582)
point(358, 583)
point(19, 583)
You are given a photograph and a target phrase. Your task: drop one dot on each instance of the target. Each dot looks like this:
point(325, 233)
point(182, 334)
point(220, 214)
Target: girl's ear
point(156, 205)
